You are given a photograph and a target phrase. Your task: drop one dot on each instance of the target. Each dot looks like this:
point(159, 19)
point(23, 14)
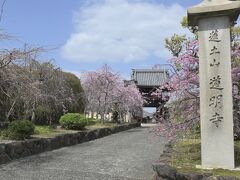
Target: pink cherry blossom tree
point(105, 89)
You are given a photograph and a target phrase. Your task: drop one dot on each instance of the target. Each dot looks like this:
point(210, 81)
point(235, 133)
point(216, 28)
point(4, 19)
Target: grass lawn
point(98, 124)
point(48, 131)
point(187, 155)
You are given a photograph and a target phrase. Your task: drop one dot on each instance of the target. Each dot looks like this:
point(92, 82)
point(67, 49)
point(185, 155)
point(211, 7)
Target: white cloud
point(122, 30)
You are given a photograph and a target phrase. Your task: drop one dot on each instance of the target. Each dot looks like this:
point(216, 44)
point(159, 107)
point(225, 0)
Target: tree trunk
point(91, 114)
point(11, 109)
point(102, 118)
point(33, 117)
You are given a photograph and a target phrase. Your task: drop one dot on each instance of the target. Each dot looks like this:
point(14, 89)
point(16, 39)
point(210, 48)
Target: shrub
point(74, 121)
point(20, 130)
point(4, 134)
point(43, 113)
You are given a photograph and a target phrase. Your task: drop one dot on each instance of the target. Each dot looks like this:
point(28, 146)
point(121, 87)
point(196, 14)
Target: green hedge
point(74, 121)
point(20, 130)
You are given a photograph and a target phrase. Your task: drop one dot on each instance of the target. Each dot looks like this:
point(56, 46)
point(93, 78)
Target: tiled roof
point(146, 77)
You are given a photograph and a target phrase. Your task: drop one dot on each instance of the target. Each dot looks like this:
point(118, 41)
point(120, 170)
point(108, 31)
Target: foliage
point(43, 114)
point(192, 29)
point(73, 121)
point(175, 44)
point(20, 130)
point(105, 90)
point(73, 82)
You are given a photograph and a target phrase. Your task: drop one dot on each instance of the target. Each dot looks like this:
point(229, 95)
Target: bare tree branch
point(2, 9)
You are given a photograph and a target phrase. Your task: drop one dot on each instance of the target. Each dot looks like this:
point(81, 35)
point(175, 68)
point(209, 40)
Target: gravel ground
point(124, 156)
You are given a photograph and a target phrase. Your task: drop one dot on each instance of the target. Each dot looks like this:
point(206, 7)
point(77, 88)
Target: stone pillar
point(214, 19)
point(216, 93)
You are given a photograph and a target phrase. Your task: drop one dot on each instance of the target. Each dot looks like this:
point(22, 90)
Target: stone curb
point(20, 149)
point(164, 171)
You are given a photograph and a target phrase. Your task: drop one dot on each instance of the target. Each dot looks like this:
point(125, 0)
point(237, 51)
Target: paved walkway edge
point(20, 149)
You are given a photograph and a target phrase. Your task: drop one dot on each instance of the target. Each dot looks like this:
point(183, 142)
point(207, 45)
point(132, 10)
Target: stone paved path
point(124, 156)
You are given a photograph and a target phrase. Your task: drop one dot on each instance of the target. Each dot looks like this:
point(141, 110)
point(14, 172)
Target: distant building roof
point(149, 77)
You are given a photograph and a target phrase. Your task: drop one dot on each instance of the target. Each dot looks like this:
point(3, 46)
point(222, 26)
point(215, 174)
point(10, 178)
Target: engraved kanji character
point(215, 83)
point(215, 63)
point(214, 36)
point(214, 50)
point(216, 101)
point(216, 119)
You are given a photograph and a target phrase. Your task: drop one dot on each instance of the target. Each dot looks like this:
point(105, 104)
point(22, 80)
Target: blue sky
point(125, 34)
